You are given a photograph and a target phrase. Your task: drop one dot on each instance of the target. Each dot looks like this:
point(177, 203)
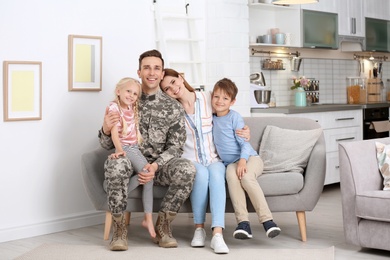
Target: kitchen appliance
point(261, 94)
point(257, 78)
point(374, 115)
point(262, 97)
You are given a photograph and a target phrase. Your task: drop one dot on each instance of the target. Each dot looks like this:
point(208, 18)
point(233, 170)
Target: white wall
point(227, 47)
point(41, 187)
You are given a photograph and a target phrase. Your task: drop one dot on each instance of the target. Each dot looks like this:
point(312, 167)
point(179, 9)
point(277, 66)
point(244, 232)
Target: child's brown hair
point(228, 86)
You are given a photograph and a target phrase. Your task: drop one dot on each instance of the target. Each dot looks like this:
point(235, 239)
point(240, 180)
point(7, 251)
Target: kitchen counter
point(318, 108)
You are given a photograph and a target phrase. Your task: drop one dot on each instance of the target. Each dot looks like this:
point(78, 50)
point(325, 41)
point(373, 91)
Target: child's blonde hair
point(119, 86)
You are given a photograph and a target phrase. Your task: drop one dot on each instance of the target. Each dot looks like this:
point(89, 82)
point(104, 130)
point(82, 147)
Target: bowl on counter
point(262, 96)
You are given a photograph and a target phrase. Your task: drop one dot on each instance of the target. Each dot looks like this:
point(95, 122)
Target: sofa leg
point(127, 217)
point(301, 216)
point(107, 225)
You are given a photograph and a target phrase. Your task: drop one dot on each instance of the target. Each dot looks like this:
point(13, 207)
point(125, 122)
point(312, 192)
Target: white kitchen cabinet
point(264, 17)
point(338, 126)
point(351, 17)
point(329, 6)
point(378, 9)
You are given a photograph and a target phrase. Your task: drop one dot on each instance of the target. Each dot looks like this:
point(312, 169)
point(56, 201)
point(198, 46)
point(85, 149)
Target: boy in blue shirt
point(243, 163)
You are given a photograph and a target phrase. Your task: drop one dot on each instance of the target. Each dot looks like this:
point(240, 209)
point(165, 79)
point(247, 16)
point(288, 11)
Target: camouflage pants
point(117, 174)
point(178, 174)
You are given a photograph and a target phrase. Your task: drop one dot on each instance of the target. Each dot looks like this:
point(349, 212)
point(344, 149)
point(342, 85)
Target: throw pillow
point(287, 150)
point(383, 156)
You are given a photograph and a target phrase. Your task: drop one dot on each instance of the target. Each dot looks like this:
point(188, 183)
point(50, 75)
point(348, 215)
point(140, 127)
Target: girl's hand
point(117, 155)
point(241, 168)
point(245, 133)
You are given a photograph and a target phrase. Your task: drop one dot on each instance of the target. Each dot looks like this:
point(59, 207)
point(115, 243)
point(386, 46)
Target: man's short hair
point(151, 53)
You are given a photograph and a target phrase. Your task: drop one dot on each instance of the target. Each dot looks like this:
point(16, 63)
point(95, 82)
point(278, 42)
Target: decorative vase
point(300, 97)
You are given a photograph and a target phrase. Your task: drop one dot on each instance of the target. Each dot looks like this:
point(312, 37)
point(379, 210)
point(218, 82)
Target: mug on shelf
point(267, 38)
point(288, 39)
point(280, 38)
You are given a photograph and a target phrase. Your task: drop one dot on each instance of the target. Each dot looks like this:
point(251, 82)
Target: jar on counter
point(356, 90)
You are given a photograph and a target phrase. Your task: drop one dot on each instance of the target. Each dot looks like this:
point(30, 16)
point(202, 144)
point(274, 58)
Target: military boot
point(119, 237)
point(164, 236)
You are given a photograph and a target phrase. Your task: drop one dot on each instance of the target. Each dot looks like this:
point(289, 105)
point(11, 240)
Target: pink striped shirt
point(128, 115)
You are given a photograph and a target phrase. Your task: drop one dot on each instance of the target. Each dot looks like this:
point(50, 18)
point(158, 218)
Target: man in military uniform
point(163, 132)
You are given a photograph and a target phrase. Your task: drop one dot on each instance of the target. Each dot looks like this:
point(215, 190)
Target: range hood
point(351, 43)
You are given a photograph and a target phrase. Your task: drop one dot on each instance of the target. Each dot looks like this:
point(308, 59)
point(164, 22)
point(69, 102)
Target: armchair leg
point(301, 216)
point(108, 223)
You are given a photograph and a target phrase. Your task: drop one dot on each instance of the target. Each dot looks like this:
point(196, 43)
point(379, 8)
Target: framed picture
point(85, 63)
point(22, 90)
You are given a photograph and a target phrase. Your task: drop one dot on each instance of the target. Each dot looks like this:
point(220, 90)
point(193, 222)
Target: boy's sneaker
point(271, 229)
point(243, 230)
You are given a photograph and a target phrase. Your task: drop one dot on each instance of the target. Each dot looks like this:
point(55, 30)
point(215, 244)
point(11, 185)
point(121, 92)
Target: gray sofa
point(366, 207)
point(285, 192)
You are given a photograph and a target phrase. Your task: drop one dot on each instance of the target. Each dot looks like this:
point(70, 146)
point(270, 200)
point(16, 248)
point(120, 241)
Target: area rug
point(90, 252)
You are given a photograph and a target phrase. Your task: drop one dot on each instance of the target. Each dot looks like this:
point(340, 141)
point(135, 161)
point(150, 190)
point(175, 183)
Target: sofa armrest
point(92, 170)
point(359, 166)
point(314, 175)
point(358, 173)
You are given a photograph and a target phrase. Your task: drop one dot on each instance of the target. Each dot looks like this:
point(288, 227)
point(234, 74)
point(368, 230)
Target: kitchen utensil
point(295, 63)
point(263, 97)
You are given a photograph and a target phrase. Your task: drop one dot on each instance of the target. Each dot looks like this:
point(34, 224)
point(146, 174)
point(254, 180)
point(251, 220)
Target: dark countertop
point(318, 108)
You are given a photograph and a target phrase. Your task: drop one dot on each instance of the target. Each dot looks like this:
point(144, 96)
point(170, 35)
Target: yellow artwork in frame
point(85, 63)
point(22, 90)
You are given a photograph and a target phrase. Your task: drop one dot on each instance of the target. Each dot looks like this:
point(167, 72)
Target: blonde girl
point(126, 138)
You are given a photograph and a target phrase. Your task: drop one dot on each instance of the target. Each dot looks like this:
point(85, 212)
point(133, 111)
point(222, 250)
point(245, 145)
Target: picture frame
point(84, 63)
point(22, 90)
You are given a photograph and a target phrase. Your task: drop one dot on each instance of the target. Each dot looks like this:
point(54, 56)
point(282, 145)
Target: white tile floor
point(324, 229)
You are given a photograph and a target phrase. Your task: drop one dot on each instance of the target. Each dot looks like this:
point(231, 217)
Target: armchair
point(365, 206)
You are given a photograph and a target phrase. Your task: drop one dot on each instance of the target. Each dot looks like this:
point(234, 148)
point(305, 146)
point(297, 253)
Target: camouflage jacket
point(161, 121)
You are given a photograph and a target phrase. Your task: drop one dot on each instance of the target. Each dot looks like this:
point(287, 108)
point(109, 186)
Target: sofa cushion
point(276, 184)
point(283, 183)
point(383, 157)
point(287, 150)
point(373, 205)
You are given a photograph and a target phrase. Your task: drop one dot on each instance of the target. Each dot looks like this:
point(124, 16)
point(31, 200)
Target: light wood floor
point(324, 229)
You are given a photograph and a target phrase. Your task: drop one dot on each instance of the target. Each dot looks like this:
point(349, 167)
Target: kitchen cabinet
point(351, 17)
point(264, 17)
point(322, 6)
point(319, 29)
point(377, 36)
point(378, 9)
point(338, 126)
